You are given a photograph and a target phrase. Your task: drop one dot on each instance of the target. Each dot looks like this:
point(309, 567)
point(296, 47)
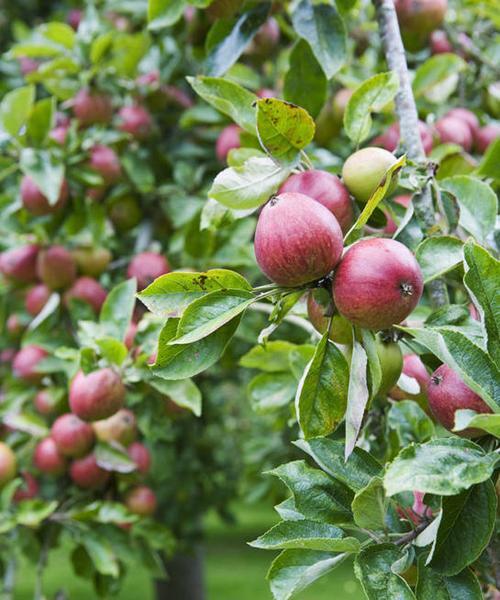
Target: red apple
point(364, 171)
point(120, 427)
point(146, 267)
point(297, 240)
point(14, 326)
point(25, 363)
point(487, 135)
point(56, 267)
point(415, 368)
point(36, 203)
point(48, 459)
point(37, 298)
point(141, 500)
point(418, 18)
point(439, 42)
point(97, 395)
point(59, 134)
point(73, 437)
point(74, 17)
point(141, 456)
point(390, 138)
point(88, 290)
point(29, 488)
point(46, 401)
point(228, 139)
point(377, 283)
point(91, 107)
point(8, 464)
point(19, 264)
point(105, 161)
point(454, 130)
point(87, 474)
point(467, 116)
point(135, 120)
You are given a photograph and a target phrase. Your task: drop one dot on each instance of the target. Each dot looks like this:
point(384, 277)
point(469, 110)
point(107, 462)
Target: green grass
point(233, 569)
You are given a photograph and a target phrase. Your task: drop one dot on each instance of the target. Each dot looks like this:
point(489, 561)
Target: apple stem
point(406, 110)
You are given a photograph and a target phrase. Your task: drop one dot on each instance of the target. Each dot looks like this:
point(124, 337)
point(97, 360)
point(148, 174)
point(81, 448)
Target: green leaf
point(305, 534)
point(323, 29)
point(45, 170)
point(373, 568)
point(357, 396)
point(184, 393)
point(488, 167)
point(164, 13)
point(321, 399)
point(229, 98)
point(101, 552)
point(369, 505)
point(477, 201)
point(481, 278)
point(171, 294)
point(41, 120)
point(444, 466)
point(271, 357)
point(438, 255)
point(15, 109)
point(356, 472)
point(371, 96)
point(469, 418)
point(137, 166)
point(113, 350)
point(26, 422)
point(249, 185)
point(117, 310)
point(432, 585)
point(374, 368)
point(465, 528)
point(432, 76)
point(31, 513)
point(268, 392)
point(410, 422)
point(305, 83)
point(113, 457)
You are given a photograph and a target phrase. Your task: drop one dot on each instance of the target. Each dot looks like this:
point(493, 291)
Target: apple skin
point(341, 330)
point(48, 459)
point(14, 326)
point(105, 161)
point(46, 402)
point(36, 203)
point(36, 298)
point(87, 474)
point(141, 456)
point(417, 20)
point(448, 393)
point(466, 115)
point(325, 188)
point(124, 212)
point(25, 363)
point(59, 134)
point(120, 427)
point(141, 500)
point(97, 395)
point(92, 261)
point(297, 240)
point(364, 170)
point(74, 17)
point(56, 267)
point(454, 130)
point(73, 437)
point(413, 367)
point(19, 264)
point(8, 464)
point(228, 139)
point(146, 267)
point(439, 42)
point(89, 290)
point(91, 108)
point(487, 135)
point(29, 488)
point(130, 335)
point(389, 140)
point(391, 363)
point(136, 121)
point(377, 284)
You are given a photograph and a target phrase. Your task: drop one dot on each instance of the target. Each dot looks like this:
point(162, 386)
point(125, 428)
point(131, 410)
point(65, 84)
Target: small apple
point(56, 267)
point(48, 459)
point(26, 361)
point(228, 139)
point(19, 264)
point(120, 427)
point(91, 107)
point(97, 395)
point(88, 290)
point(418, 19)
point(37, 298)
point(364, 171)
point(146, 267)
point(87, 474)
point(47, 401)
point(36, 203)
point(136, 121)
point(92, 261)
point(124, 212)
point(141, 456)
point(141, 500)
point(415, 368)
point(454, 130)
point(73, 437)
point(486, 136)
point(105, 161)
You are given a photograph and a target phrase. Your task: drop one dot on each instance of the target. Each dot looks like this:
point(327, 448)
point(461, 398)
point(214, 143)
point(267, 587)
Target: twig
point(411, 535)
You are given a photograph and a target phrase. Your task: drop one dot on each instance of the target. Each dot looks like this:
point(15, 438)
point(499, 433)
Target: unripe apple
point(364, 171)
point(415, 368)
point(26, 361)
point(418, 18)
point(135, 120)
point(141, 500)
point(454, 130)
point(48, 459)
point(88, 290)
point(439, 42)
point(74, 17)
point(125, 213)
point(448, 393)
point(389, 140)
point(487, 135)
point(87, 474)
point(8, 464)
point(120, 427)
point(29, 488)
point(92, 261)
point(19, 264)
point(141, 456)
point(56, 267)
point(228, 139)
point(146, 267)
point(14, 326)
point(91, 107)
point(105, 161)
point(97, 395)
point(326, 189)
point(73, 437)
point(493, 99)
point(37, 298)
point(297, 240)
point(377, 283)
point(391, 363)
point(467, 116)
point(319, 304)
point(47, 401)
point(36, 203)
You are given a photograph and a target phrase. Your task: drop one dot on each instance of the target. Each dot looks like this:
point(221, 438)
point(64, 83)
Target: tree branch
point(413, 534)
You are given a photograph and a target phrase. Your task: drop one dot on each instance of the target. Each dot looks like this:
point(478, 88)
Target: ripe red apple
point(439, 42)
point(319, 303)
point(105, 161)
point(37, 298)
point(25, 363)
point(141, 500)
point(391, 363)
point(46, 401)
point(141, 456)
point(56, 267)
point(487, 135)
point(146, 267)
point(59, 134)
point(149, 79)
point(92, 261)
point(389, 140)
point(448, 393)
point(228, 139)
point(97, 395)
point(454, 130)
point(125, 212)
point(326, 189)
point(88, 290)
point(19, 264)
point(48, 459)
point(297, 240)
point(364, 170)
point(135, 120)
point(73, 437)
point(415, 368)
point(418, 18)
point(120, 427)
point(91, 107)
point(74, 17)
point(14, 326)
point(36, 203)
point(29, 488)
point(377, 283)
point(467, 116)
point(8, 464)
point(87, 474)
